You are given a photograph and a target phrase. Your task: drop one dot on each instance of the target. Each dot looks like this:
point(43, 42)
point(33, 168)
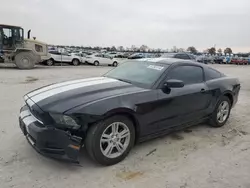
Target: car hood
point(60, 97)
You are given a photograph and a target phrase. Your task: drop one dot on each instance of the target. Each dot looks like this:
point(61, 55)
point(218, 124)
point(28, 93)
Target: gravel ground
point(200, 157)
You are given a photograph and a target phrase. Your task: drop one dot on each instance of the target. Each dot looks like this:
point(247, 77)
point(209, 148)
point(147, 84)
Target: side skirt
point(172, 129)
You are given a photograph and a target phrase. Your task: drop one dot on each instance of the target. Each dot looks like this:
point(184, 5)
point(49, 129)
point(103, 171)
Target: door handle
point(203, 90)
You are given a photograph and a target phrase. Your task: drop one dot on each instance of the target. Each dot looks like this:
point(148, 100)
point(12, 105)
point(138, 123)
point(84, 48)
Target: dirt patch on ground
point(31, 79)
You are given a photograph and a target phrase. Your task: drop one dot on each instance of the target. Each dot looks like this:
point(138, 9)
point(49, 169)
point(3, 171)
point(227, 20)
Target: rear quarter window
point(211, 74)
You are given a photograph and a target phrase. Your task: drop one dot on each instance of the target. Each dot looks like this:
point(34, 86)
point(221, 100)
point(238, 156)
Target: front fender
point(98, 110)
point(120, 110)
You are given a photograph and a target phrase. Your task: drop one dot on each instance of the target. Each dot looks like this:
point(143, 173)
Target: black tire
point(96, 63)
point(25, 60)
point(214, 120)
point(50, 62)
point(75, 62)
point(92, 141)
point(115, 64)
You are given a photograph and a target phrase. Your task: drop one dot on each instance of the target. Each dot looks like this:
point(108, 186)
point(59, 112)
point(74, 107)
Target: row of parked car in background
point(93, 58)
point(229, 59)
point(115, 58)
point(80, 58)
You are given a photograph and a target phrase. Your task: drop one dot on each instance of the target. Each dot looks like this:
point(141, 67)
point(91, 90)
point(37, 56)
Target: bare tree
point(180, 50)
point(134, 48)
point(219, 50)
point(192, 49)
point(113, 48)
point(228, 51)
point(120, 48)
point(212, 50)
point(144, 48)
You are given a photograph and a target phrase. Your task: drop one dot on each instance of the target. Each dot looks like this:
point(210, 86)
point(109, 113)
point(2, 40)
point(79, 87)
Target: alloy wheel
point(50, 62)
point(223, 111)
point(115, 140)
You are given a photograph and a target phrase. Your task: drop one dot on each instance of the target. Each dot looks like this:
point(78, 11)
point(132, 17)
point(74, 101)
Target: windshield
point(142, 73)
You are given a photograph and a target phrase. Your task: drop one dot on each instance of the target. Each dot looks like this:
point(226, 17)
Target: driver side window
point(65, 54)
point(187, 74)
point(106, 56)
point(99, 55)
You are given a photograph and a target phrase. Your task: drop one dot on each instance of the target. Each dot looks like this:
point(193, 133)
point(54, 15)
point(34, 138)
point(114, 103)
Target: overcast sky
point(156, 23)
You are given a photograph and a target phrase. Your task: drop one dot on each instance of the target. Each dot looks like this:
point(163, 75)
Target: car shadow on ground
point(8, 66)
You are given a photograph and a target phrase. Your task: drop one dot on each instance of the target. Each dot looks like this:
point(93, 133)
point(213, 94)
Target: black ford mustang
point(138, 100)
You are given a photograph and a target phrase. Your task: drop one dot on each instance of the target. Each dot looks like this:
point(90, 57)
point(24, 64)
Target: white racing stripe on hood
point(31, 94)
point(49, 93)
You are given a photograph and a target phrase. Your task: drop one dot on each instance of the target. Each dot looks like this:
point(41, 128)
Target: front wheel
point(109, 142)
point(25, 60)
point(221, 112)
point(50, 62)
point(115, 64)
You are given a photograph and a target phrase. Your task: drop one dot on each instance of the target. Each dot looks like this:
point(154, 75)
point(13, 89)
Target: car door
point(57, 56)
point(187, 104)
point(99, 58)
point(66, 57)
point(69, 57)
point(63, 57)
point(107, 60)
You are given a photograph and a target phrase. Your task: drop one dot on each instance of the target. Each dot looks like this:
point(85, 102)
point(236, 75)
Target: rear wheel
point(25, 60)
point(96, 63)
point(109, 142)
point(75, 62)
point(221, 112)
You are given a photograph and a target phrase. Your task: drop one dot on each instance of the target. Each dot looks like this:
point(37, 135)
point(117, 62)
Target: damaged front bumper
point(49, 141)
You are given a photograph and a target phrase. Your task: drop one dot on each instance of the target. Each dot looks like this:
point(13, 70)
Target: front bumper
point(49, 141)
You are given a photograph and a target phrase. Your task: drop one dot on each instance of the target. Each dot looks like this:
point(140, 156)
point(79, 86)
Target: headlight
point(65, 121)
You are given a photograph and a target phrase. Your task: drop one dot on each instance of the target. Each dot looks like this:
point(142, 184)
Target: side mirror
point(172, 83)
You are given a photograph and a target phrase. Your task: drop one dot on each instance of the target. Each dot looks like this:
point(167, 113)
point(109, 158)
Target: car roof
point(170, 61)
